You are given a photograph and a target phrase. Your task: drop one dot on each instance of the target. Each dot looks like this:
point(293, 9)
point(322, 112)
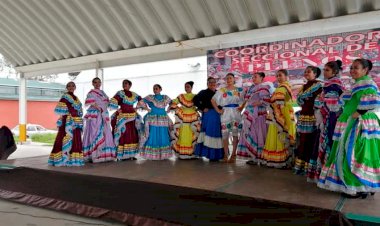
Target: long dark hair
point(365, 63)
point(335, 66)
point(315, 70)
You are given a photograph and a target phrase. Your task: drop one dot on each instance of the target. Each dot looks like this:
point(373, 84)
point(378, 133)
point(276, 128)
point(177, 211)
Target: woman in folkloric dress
point(353, 166)
point(307, 122)
point(281, 133)
point(67, 149)
point(187, 125)
point(328, 109)
point(254, 132)
point(155, 143)
point(125, 122)
point(230, 100)
point(98, 145)
point(209, 143)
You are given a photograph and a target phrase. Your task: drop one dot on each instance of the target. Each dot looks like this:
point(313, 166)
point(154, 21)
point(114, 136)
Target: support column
point(22, 108)
point(99, 73)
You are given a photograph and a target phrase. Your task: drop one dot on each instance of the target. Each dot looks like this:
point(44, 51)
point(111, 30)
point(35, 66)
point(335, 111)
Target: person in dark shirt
point(209, 142)
point(7, 143)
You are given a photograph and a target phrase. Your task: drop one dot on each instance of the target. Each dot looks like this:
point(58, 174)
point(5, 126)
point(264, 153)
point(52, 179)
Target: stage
point(240, 179)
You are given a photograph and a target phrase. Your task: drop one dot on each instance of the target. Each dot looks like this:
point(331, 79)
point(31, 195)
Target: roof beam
point(145, 8)
point(33, 25)
point(202, 17)
point(198, 47)
point(82, 23)
point(260, 12)
point(112, 27)
point(179, 12)
point(95, 25)
point(8, 44)
point(127, 27)
point(54, 20)
point(8, 56)
point(47, 26)
point(218, 11)
point(327, 8)
point(165, 16)
point(304, 9)
point(69, 24)
point(280, 11)
point(34, 44)
point(239, 14)
point(353, 6)
point(137, 19)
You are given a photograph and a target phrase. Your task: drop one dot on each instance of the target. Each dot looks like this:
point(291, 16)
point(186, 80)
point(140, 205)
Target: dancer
point(231, 100)
point(155, 145)
point(209, 143)
point(353, 166)
point(278, 148)
point(125, 122)
point(328, 109)
point(187, 125)
point(306, 123)
point(98, 145)
point(253, 134)
point(67, 149)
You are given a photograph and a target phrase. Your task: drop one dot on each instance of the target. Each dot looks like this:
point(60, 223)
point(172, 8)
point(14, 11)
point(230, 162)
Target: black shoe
point(363, 195)
point(357, 195)
point(250, 162)
point(131, 158)
point(372, 193)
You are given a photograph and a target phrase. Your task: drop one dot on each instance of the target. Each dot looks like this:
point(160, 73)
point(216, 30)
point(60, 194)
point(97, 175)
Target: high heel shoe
point(372, 193)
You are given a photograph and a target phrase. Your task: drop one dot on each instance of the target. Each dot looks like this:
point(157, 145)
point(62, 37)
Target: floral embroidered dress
point(354, 162)
point(187, 125)
point(67, 149)
point(230, 100)
point(254, 132)
point(125, 124)
point(306, 126)
point(98, 144)
point(328, 111)
point(155, 143)
point(280, 138)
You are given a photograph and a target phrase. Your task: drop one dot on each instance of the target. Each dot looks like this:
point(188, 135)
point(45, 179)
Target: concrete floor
point(238, 178)
point(14, 214)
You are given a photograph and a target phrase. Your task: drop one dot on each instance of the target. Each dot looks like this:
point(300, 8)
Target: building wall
point(38, 112)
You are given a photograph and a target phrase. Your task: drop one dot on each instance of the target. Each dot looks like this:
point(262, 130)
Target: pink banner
point(295, 55)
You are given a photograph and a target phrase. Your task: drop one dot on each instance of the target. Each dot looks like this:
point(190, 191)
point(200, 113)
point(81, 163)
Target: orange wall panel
point(38, 112)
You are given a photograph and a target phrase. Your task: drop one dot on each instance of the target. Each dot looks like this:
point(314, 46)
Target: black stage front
point(146, 203)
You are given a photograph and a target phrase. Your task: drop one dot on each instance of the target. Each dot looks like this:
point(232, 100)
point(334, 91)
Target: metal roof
point(37, 33)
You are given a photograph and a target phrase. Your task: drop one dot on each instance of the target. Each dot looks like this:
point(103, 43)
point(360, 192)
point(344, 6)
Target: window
point(31, 128)
point(40, 128)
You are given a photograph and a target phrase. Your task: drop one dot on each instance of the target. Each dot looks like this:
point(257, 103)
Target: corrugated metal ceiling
point(39, 31)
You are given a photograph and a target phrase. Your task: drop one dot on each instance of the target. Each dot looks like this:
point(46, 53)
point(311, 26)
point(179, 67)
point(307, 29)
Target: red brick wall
point(38, 112)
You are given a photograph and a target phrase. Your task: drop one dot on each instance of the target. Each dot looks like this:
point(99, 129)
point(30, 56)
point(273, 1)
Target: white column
point(22, 108)
point(100, 74)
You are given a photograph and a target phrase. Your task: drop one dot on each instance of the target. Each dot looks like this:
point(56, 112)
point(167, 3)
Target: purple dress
point(98, 144)
point(254, 131)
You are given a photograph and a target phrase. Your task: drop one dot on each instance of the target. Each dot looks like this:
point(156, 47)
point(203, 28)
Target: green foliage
point(47, 138)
